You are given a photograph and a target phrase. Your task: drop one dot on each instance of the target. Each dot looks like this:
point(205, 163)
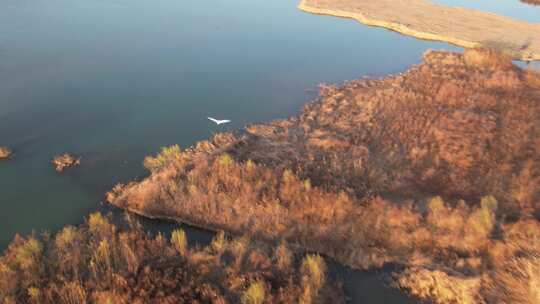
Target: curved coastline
point(421, 19)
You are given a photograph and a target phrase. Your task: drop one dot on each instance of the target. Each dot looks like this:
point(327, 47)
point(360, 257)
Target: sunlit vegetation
point(430, 169)
point(100, 263)
point(166, 156)
point(481, 58)
point(507, 272)
point(449, 247)
point(5, 152)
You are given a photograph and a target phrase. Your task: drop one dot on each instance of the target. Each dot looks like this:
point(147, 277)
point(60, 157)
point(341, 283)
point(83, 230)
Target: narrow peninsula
point(425, 20)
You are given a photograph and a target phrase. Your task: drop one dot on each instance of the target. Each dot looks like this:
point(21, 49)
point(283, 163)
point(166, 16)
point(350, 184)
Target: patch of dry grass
point(439, 286)
point(487, 58)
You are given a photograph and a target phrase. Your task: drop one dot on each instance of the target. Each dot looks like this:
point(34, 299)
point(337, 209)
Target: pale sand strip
point(425, 20)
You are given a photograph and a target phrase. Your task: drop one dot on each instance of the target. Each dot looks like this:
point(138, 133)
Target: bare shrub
point(166, 156)
point(255, 294)
point(313, 272)
point(283, 257)
point(179, 241)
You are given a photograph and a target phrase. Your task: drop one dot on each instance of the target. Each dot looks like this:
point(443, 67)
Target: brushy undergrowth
point(100, 263)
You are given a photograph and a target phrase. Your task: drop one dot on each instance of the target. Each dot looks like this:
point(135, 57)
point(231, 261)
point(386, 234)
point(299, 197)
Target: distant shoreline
point(421, 19)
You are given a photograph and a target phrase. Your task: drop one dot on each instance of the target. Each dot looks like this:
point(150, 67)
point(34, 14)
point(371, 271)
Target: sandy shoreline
point(418, 18)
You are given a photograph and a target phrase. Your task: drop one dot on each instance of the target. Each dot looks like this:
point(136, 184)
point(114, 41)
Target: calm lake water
point(114, 80)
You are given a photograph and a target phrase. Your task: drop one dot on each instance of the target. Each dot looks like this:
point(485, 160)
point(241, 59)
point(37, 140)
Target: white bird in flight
point(217, 121)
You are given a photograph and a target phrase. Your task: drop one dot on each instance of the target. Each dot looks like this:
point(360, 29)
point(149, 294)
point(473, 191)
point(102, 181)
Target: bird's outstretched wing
point(214, 120)
point(217, 121)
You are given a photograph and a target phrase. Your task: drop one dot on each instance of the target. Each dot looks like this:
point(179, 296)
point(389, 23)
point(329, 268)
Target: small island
point(5, 153)
point(66, 160)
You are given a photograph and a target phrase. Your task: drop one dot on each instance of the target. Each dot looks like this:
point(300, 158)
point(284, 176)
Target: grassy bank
point(436, 169)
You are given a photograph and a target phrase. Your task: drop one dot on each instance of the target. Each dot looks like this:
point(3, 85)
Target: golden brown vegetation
point(64, 161)
point(429, 169)
point(448, 245)
point(468, 28)
point(98, 263)
point(5, 153)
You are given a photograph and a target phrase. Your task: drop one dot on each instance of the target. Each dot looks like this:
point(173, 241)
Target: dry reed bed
point(100, 263)
point(375, 172)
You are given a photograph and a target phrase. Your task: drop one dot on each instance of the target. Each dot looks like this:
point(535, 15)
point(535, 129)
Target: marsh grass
point(179, 240)
point(166, 156)
point(255, 293)
point(99, 263)
point(487, 58)
point(424, 169)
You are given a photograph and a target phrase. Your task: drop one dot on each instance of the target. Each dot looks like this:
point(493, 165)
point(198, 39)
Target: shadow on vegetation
point(99, 262)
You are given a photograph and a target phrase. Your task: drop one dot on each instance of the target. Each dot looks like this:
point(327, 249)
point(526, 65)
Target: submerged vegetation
point(5, 153)
point(100, 263)
point(66, 160)
point(436, 170)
